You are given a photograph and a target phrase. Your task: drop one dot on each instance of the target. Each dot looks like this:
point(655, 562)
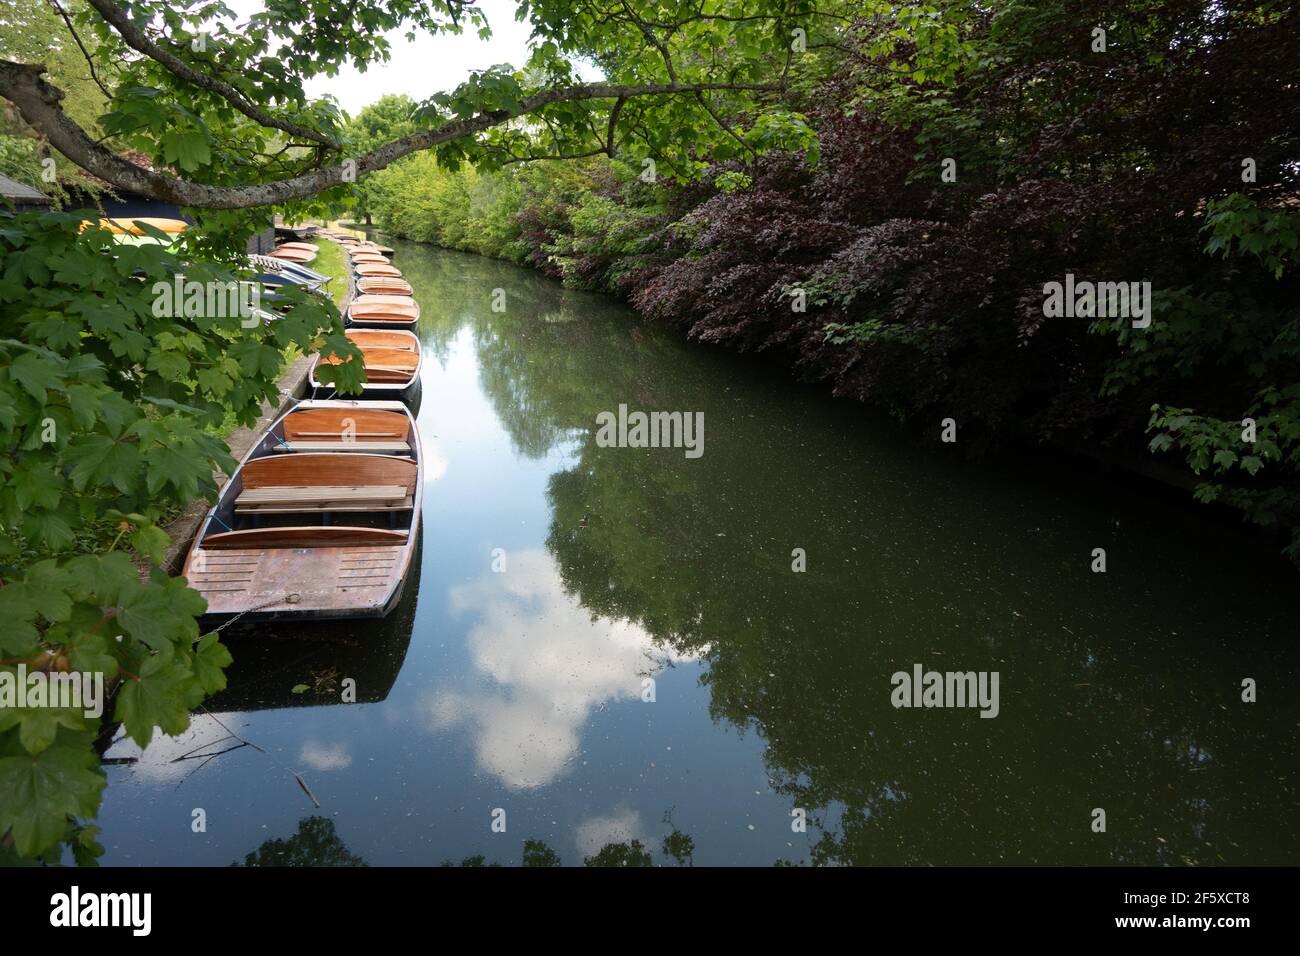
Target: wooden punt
point(384, 338)
point(384, 311)
point(295, 233)
point(376, 269)
point(304, 246)
point(384, 285)
point(392, 369)
point(359, 257)
point(319, 535)
point(293, 255)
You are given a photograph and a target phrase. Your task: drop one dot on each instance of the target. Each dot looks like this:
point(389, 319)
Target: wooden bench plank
point(339, 445)
point(288, 499)
point(339, 506)
point(281, 493)
point(336, 434)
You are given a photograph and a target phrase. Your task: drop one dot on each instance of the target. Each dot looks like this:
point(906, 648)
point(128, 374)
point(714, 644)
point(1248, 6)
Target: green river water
point(520, 696)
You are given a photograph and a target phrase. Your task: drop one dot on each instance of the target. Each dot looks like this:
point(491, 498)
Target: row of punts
point(320, 521)
point(379, 323)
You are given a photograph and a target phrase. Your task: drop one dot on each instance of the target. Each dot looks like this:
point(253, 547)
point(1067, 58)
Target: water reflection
point(326, 663)
point(913, 559)
point(544, 663)
point(316, 843)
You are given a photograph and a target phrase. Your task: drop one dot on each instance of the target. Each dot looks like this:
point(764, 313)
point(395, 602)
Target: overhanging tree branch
point(139, 41)
point(82, 47)
point(610, 146)
point(38, 102)
point(723, 126)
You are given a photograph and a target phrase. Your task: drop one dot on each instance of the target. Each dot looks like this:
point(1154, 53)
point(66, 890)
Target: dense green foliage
point(107, 411)
point(1167, 157)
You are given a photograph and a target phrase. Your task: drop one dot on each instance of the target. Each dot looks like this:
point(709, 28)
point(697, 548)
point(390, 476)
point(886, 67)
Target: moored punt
point(298, 233)
point(392, 367)
point(294, 271)
point(384, 311)
point(359, 257)
point(384, 285)
point(293, 255)
point(377, 269)
point(301, 533)
point(304, 246)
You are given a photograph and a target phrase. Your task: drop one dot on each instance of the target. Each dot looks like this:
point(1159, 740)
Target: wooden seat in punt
point(384, 310)
point(384, 285)
point(322, 482)
point(293, 255)
point(341, 444)
point(310, 536)
point(299, 559)
point(383, 364)
point(350, 430)
point(376, 269)
point(295, 499)
point(392, 369)
point(384, 338)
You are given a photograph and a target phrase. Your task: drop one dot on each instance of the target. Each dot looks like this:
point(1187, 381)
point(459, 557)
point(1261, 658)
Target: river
point(610, 652)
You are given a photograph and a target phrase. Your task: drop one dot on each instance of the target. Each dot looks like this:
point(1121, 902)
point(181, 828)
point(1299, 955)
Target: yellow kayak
point(134, 226)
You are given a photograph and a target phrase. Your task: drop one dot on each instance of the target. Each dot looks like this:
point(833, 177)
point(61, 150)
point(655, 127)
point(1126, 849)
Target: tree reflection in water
point(1119, 690)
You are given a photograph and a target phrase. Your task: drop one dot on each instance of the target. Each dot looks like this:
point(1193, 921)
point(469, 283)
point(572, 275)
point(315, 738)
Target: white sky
point(428, 65)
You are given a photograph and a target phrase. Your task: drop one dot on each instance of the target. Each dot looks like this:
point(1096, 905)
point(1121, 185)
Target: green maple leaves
point(107, 416)
point(95, 610)
point(110, 405)
point(41, 793)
